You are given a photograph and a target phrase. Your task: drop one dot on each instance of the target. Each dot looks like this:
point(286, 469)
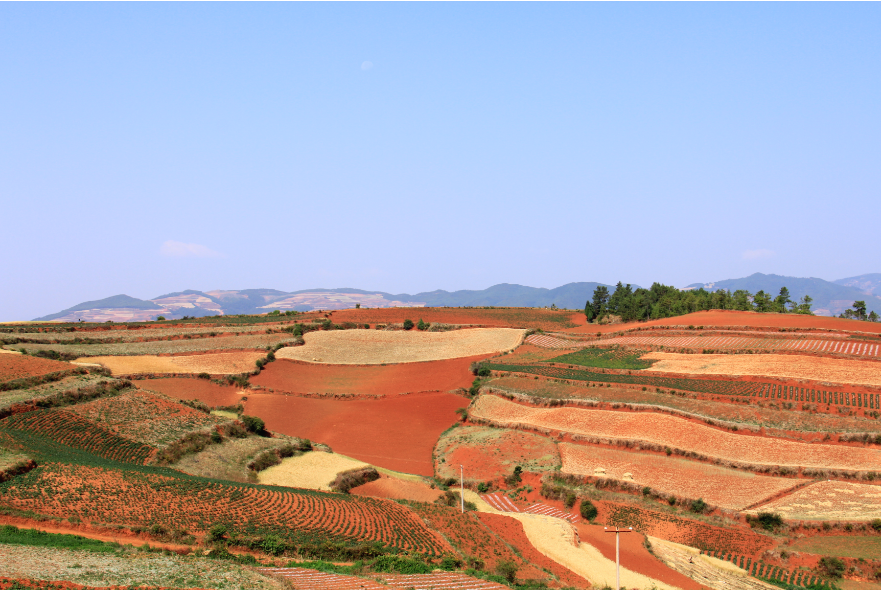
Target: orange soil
point(397, 433)
point(19, 366)
point(394, 488)
point(634, 555)
point(511, 531)
point(508, 317)
point(301, 377)
point(740, 318)
point(719, 486)
point(193, 389)
point(486, 458)
point(678, 433)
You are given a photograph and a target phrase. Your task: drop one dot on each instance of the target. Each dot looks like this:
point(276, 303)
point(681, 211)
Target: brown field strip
point(828, 500)
point(221, 363)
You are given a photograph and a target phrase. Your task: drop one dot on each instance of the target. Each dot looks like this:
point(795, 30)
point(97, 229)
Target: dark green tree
point(782, 300)
point(600, 300)
point(763, 302)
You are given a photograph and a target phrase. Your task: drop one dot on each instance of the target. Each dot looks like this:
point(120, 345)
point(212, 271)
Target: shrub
point(588, 510)
point(482, 488)
point(353, 478)
point(507, 569)
point(399, 565)
point(699, 506)
point(253, 423)
point(832, 566)
point(160, 318)
point(876, 524)
point(767, 520)
point(515, 477)
point(204, 376)
point(408, 324)
point(421, 326)
point(216, 533)
point(569, 501)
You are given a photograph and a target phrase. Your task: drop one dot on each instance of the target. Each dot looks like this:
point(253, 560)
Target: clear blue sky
point(149, 148)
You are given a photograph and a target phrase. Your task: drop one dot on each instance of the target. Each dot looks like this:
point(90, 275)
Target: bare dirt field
point(373, 347)
point(718, 486)
point(228, 460)
point(221, 363)
point(19, 366)
point(395, 488)
point(300, 377)
point(314, 470)
point(770, 365)
point(856, 546)
point(675, 432)
point(397, 432)
point(488, 453)
point(828, 500)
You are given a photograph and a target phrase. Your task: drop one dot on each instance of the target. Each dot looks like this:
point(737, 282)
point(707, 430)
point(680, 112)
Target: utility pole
point(617, 532)
point(462, 487)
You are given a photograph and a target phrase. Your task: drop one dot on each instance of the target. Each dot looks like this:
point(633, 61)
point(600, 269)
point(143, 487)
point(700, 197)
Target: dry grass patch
point(314, 471)
point(769, 365)
point(221, 363)
point(828, 500)
point(373, 347)
point(230, 459)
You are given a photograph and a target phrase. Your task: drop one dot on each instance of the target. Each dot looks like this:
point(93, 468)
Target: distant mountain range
point(122, 308)
point(830, 298)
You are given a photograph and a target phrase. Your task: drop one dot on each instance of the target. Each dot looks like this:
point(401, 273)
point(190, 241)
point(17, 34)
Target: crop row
point(69, 429)
point(772, 573)
point(468, 534)
point(117, 336)
point(707, 386)
point(687, 532)
point(142, 498)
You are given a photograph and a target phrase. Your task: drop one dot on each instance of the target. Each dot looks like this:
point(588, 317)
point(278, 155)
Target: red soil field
point(508, 317)
point(634, 555)
point(741, 318)
point(193, 389)
point(394, 488)
point(299, 377)
point(491, 453)
point(511, 531)
point(19, 366)
point(397, 433)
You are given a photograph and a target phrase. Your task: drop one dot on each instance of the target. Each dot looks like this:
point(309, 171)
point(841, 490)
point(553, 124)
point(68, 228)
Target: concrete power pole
point(617, 532)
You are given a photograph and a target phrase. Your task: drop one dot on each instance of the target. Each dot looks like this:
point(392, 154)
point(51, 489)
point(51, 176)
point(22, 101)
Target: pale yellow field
point(828, 500)
point(770, 365)
point(373, 347)
point(221, 363)
point(314, 470)
point(4, 351)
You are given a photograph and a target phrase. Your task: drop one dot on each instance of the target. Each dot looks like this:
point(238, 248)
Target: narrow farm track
point(812, 345)
point(677, 433)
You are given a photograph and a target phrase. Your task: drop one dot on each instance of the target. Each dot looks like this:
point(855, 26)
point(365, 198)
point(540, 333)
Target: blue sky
point(149, 148)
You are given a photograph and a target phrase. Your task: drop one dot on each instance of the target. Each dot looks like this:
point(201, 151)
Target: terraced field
point(677, 433)
point(244, 342)
point(740, 343)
